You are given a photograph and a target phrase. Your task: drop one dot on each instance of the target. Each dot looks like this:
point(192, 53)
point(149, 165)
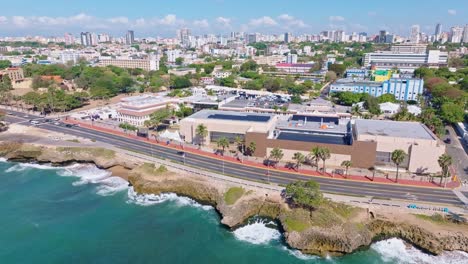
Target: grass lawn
point(233, 194)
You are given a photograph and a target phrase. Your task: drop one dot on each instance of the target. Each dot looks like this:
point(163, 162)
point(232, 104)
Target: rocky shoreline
point(331, 229)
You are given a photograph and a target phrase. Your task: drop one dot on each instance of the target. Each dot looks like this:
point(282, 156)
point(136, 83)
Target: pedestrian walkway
point(304, 172)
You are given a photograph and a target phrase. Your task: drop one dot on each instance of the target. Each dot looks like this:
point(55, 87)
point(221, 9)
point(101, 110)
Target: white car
point(56, 123)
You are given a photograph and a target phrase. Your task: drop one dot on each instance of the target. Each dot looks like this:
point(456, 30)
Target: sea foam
point(257, 233)
point(150, 199)
point(394, 250)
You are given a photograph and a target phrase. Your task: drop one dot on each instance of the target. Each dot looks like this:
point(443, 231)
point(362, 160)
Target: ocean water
point(80, 214)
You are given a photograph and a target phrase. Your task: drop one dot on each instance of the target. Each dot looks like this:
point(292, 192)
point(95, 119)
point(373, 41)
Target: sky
point(151, 18)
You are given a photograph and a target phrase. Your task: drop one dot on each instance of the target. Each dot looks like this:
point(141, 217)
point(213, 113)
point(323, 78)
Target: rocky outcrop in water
point(332, 229)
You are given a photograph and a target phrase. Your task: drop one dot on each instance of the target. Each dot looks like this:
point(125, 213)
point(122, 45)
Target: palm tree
point(299, 158)
point(315, 154)
point(398, 156)
point(324, 155)
point(252, 147)
point(346, 164)
point(444, 161)
point(201, 131)
point(356, 110)
point(240, 143)
point(223, 143)
point(276, 154)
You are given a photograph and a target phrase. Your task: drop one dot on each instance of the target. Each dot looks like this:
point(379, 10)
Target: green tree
point(240, 142)
point(249, 65)
point(179, 61)
point(276, 154)
point(128, 126)
point(315, 156)
point(180, 82)
point(444, 161)
point(299, 158)
point(208, 68)
point(452, 112)
point(223, 143)
point(339, 69)
point(324, 155)
point(252, 147)
point(304, 194)
point(228, 82)
point(372, 105)
point(398, 156)
point(157, 117)
point(4, 64)
point(346, 164)
point(384, 98)
point(201, 131)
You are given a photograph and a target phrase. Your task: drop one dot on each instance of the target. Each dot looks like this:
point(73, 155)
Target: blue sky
point(162, 18)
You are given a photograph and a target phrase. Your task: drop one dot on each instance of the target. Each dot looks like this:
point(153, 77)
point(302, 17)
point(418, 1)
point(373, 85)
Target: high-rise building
point(291, 58)
point(69, 39)
point(382, 36)
point(465, 34)
point(414, 37)
point(438, 31)
point(130, 37)
point(251, 38)
point(287, 37)
point(86, 39)
point(183, 35)
point(456, 34)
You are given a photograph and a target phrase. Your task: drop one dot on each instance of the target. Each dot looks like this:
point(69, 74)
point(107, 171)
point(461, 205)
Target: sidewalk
point(302, 171)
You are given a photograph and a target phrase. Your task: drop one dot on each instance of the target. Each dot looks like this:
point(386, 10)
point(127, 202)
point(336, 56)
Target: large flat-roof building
point(136, 110)
point(421, 145)
point(149, 64)
point(366, 143)
point(405, 61)
point(402, 88)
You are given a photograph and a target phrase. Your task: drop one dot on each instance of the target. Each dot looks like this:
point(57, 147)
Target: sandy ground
point(120, 171)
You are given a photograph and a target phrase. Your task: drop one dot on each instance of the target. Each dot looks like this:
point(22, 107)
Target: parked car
point(448, 141)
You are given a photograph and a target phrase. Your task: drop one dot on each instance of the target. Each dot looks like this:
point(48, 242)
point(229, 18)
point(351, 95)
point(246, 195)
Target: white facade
point(415, 36)
point(221, 74)
point(172, 55)
point(69, 56)
point(456, 34)
point(405, 61)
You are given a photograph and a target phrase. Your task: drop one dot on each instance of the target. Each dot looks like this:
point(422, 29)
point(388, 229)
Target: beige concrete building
point(421, 145)
point(136, 110)
point(225, 124)
point(150, 64)
point(15, 74)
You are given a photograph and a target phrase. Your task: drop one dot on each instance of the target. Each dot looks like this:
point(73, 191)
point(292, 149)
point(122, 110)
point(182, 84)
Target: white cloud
point(20, 21)
point(168, 20)
point(336, 18)
point(223, 21)
point(263, 21)
point(118, 20)
point(285, 17)
point(452, 12)
point(3, 19)
point(201, 23)
point(371, 13)
point(290, 21)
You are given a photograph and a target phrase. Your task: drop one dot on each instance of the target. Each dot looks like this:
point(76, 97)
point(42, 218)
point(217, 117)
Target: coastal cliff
point(330, 229)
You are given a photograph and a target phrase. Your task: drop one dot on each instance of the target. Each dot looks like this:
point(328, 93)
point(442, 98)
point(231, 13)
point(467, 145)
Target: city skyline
point(222, 17)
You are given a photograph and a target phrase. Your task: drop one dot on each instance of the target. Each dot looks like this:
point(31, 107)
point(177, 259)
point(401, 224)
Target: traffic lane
point(258, 177)
point(324, 181)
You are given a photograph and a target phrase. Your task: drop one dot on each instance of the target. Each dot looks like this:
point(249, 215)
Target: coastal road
point(340, 186)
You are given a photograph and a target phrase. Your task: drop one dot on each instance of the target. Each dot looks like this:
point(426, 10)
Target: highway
point(340, 186)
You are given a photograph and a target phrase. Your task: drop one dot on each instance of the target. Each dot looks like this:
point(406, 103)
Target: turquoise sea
point(78, 214)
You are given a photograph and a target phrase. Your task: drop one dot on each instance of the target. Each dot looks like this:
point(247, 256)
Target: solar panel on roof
point(338, 140)
point(325, 119)
point(252, 118)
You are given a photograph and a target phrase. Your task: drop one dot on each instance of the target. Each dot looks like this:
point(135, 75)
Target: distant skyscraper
point(251, 38)
point(69, 39)
point(465, 34)
point(130, 37)
point(382, 36)
point(456, 34)
point(183, 35)
point(86, 39)
point(438, 31)
point(414, 37)
point(287, 37)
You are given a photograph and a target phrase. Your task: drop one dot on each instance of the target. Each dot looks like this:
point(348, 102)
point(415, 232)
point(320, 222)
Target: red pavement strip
point(305, 172)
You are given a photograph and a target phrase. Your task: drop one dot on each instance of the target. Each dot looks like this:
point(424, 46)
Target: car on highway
point(448, 141)
point(68, 125)
point(34, 122)
point(56, 123)
point(26, 116)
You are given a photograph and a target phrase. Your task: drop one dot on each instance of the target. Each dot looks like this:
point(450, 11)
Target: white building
point(291, 58)
point(69, 56)
point(415, 36)
point(465, 34)
point(221, 74)
point(405, 61)
point(148, 64)
point(172, 55)
point(136, 110)
point(456, 34)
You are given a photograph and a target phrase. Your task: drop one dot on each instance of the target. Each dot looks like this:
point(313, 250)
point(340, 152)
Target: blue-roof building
point(403, 89)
